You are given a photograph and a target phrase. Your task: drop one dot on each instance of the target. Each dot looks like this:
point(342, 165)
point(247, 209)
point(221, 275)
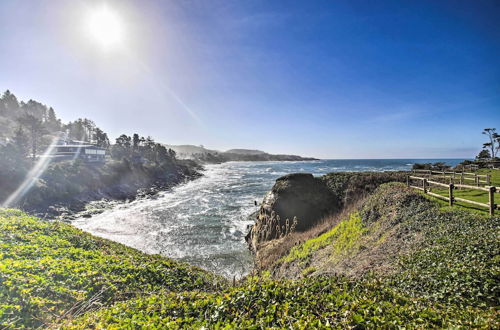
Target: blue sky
point(330, 79)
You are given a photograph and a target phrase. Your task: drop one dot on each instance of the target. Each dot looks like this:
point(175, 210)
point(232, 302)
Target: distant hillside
point(245, 152)
point(188, 150)
point(208, 156)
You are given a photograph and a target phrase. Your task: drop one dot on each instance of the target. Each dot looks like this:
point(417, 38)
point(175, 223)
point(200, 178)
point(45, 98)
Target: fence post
point(425, 185)
point(476, 179)
point(450, 193)
point(461, 179)
point(408, 181)
point(488, 179)
point(492, 200)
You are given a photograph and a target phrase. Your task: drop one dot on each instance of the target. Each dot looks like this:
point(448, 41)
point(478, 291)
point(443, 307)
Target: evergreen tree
point(21, 142)
point(35, 109)
point(53, 124)
point(136, 141)
point(100, 138)
point(76, 130)
point(122, 147)
point(35, 130)
point(161, 154)
point(10, 104)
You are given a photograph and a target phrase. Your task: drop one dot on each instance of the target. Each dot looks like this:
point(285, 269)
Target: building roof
point(77, 146)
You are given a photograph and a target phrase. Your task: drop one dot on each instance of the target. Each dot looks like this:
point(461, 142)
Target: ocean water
point(204, 222)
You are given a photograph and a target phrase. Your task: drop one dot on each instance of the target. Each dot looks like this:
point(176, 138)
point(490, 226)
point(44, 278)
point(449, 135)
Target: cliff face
point(296, 203)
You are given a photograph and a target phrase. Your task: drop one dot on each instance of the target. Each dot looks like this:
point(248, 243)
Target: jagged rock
point(300, 197)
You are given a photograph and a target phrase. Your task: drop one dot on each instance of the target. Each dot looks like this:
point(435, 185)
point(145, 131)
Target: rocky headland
point(298, 202)
point(209, 156)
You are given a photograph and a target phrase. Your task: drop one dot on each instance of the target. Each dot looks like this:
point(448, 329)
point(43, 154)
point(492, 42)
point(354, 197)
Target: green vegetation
point(444, 270)
point(352, 186)
point(448, 256)
point(495, 175)
point(342, 237)
point(317, 302)
point(458, 261)
point(50, 271)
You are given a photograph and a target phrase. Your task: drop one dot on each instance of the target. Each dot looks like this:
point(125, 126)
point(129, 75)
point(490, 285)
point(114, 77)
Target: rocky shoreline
point(93, 202)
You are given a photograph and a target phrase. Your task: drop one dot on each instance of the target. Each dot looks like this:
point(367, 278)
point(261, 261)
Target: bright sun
point(105, 27)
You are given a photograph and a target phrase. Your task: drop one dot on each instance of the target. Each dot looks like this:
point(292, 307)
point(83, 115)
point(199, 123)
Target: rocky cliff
point(298, 202)
point(295, 203)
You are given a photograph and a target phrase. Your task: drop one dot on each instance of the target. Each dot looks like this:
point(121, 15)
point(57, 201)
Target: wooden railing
point(462, 177)
point(451, 186)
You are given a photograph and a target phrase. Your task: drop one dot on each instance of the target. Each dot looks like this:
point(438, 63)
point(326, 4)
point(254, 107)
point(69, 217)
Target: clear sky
point(330, 79)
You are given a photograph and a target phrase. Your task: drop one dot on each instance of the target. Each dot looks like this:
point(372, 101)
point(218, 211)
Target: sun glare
point(105, 27)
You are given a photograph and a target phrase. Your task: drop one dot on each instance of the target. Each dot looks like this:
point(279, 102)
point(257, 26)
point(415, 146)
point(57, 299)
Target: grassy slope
point(51, 270)
point(450, 280)
point(450, 256)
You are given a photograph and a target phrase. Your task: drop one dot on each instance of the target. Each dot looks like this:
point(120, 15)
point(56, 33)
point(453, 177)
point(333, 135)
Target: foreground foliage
point(262, 303)
point(51, 270)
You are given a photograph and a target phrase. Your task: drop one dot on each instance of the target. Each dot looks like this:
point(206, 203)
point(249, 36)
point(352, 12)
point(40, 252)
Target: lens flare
point(32, 176)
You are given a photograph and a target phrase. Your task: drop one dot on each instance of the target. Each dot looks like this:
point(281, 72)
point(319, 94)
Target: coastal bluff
point(295, 203)
point(299, 201)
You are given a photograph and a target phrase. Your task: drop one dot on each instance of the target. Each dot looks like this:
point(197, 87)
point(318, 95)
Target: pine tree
point(21, 142)
point(35, 129)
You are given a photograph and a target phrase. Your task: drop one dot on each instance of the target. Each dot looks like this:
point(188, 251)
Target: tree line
point(138, 149)
point(30, 126)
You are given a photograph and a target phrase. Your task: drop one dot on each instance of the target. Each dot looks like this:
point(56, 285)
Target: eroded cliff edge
point(298, 202)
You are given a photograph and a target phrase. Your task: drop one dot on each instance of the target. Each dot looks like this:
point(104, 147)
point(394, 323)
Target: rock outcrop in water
point(310, 199)
point(296, 203)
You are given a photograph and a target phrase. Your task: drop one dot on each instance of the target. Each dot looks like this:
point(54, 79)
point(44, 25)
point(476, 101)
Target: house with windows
point(87, 152)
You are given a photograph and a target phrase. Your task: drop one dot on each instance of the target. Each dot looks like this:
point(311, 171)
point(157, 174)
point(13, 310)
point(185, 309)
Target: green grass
point(472, 194)
point(343, 237)
point(495, 176)
point(51, 270)
point(444, 205)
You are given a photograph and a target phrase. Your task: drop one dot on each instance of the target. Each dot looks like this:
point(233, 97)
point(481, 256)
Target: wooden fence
point(451, 186)
point(461, 177)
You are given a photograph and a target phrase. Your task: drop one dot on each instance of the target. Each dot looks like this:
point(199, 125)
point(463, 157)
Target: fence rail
point(460, 176)
point(451, 187)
